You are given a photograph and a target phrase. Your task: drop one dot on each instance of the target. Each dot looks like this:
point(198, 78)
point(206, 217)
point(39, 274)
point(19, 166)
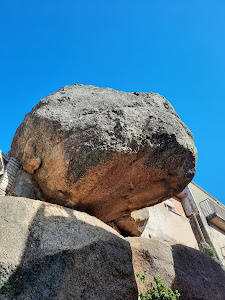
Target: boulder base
point(51, 252)
point(196, 275)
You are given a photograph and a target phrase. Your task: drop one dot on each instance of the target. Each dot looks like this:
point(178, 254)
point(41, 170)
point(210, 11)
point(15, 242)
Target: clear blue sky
point(175, 48)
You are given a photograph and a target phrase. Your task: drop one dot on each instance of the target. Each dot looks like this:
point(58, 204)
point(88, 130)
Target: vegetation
point(158, 291)
point(209, 250)
point(206, 248)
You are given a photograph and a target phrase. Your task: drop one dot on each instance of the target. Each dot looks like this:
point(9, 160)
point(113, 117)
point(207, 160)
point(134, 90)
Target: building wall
point(166, 225)
point(218, 240)
point(188, 203)
point(180, 220)
point(175, 202)
point(178, 206)
point(216, 235)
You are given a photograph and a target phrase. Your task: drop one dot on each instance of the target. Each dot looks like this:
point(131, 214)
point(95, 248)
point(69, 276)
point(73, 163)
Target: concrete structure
point(166, 221)
point(9, 168)
point(207, 216)
point(193, 218)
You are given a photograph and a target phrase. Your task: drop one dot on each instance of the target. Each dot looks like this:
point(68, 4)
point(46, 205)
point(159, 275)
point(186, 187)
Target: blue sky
point(174, 48)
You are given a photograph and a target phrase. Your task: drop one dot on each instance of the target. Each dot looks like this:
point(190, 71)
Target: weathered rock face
point(51, 252)
point(196, 275)
point(105, 152)
point(25, 187)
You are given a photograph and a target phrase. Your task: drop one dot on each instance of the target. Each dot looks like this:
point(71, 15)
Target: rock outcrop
point(196, 275)
point(51, 252)
point(26, 187)
point(105, 152)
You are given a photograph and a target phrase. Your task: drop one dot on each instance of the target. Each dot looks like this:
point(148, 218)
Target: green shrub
point(209, 250)
point(158, 291)
point(206, 248)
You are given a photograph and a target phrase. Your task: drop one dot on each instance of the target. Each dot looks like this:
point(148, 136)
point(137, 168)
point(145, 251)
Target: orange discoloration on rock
point(105, 152)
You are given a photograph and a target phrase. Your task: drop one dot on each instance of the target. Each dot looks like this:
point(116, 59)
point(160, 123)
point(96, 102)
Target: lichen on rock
point(104, 151)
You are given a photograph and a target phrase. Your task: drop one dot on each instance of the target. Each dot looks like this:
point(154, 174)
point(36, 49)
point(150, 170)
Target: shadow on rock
point(197, 276)
point(66, 257)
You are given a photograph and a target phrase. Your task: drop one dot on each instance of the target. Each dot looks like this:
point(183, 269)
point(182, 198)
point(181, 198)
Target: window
point(1, 164)
point(169, 204)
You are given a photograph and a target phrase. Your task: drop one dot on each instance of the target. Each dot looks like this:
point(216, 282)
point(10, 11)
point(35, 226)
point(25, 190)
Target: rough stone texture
point(51, 252)
point(127, 226)
point(105, 152)
point(196, 275)
point(26, 187)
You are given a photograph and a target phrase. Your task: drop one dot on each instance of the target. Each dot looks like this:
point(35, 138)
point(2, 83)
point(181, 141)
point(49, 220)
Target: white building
point(9, 168)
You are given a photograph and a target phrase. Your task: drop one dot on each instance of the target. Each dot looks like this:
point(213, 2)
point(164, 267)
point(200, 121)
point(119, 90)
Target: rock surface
point(196, 275)
point(51, 252)
point(105, 152)
point(25, 186)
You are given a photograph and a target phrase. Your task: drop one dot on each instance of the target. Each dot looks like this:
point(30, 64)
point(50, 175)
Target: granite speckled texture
point(104, 151)
point(51, 252)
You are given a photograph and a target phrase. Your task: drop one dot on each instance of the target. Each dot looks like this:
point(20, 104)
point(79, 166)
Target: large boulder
point(51, 252)
point(195, 274)
point(105, 152)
